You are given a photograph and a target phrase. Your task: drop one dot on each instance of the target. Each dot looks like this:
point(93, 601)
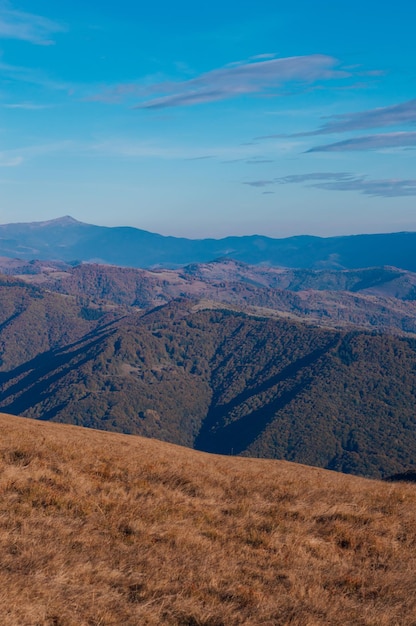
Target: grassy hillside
point(104, 529)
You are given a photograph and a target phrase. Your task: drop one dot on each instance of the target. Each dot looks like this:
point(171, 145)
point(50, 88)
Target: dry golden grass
point(104, 529)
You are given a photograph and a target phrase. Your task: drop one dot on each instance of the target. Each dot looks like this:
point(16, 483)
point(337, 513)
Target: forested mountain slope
point(217, 380)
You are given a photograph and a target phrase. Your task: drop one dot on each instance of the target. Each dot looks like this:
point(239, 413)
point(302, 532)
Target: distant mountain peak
point(66, 220)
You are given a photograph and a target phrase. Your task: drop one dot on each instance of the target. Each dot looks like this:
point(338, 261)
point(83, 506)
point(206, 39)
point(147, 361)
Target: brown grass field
point(105, 529)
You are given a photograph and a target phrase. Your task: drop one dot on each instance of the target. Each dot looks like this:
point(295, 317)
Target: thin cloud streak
point(388, 188)
point(27, 27)
point(403, 113)
point(27, 106)
point(32, 77)
point(302, 178)
point(259, 161)
point(123, 148)
point(343, 181)
point(381, 141)
point(395, 115)
point(261, 183)
point(17, 156)
point(258, 75)
point(10, 161)
point(136, 149)
point(188, 99)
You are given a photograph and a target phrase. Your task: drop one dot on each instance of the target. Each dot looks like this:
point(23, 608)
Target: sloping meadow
point(102, 529)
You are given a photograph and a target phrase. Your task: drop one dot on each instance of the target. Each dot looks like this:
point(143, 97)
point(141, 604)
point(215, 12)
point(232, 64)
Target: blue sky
point(210, 119)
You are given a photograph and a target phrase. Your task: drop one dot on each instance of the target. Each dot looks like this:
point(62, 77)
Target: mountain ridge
point(312, 365)
point(374, 298)
point(69, 240)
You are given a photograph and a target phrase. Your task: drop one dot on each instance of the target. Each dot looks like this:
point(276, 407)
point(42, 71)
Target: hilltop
point(101, 528)
point(382, 298)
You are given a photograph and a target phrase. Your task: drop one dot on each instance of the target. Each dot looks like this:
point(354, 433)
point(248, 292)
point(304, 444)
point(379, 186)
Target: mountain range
point(69, 240)
point(312, 364)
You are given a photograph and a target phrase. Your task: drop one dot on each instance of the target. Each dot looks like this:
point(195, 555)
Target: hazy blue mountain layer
point(69, 240)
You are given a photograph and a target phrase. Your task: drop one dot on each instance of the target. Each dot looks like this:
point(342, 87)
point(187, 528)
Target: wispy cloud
point(301, 178)
point(26, 106)
point(259, 75)
point(380, 141)
point(258, 161)
point(200, 158)
point(381, 117)
point(123, 147)
point(261, 183)
point(314, 176)
point(27, 26)
point(343, 181)
point(31, 76)
point(130, 149)
point(189, 98)
point(385, 188)
point(395, 115)
point(7, 160)
point(17, 156)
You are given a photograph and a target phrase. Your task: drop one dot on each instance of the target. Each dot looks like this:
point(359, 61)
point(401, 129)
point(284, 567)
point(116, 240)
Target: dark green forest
point(218, 380)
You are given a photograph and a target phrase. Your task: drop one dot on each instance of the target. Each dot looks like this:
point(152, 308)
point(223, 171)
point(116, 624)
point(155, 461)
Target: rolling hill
point(101, 528)
point(372, 298)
